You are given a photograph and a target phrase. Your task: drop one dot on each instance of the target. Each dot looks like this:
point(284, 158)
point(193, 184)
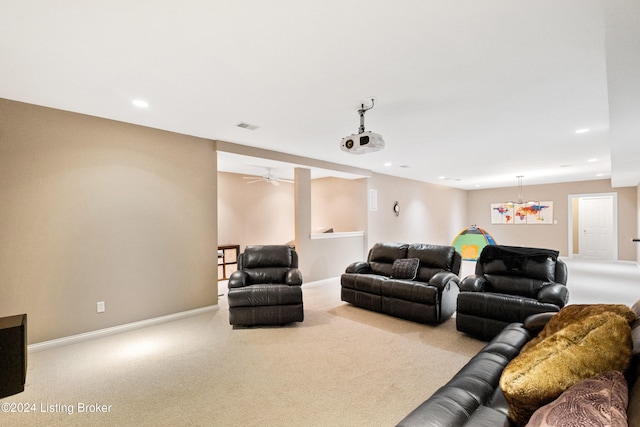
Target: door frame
point(614, 225)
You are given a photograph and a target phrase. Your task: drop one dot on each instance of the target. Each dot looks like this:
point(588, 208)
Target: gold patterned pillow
point(575, 312)
point(583, 349)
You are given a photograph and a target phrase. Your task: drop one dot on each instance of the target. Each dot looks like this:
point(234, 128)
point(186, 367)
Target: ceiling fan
point(271, 179)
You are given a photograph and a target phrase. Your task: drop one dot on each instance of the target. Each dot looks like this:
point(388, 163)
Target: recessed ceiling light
point(388, 164)
point(592, 160)
point(442, 177)
point(600, 174)
point(583, 130)
point(140, 103)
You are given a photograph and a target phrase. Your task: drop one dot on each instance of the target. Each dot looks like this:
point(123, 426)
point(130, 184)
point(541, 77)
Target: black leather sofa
point(473, 397)
point(426, 294)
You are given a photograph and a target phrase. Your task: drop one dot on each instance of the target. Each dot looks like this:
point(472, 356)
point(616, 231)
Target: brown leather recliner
point(510, 283)
point(266, 288)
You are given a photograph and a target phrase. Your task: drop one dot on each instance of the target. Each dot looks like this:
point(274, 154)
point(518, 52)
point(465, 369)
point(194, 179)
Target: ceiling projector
point(365, 142)
point(362, 142)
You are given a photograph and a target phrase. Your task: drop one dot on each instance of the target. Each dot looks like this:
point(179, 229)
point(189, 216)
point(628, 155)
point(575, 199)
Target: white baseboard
point(330, 280)
point(73, 339)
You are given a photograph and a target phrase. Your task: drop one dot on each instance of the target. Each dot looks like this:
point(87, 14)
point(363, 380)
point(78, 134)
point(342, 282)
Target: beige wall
point(339, 203)
point(554, 236)
point(261, 213)
point(637, 235)
point(321, 258)
point(429, 213)
point(318, 259)
point(254, 214)
point(265, 214)
point(96, 210)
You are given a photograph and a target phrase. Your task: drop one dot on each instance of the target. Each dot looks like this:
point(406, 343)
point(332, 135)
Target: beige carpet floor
point(342, 366)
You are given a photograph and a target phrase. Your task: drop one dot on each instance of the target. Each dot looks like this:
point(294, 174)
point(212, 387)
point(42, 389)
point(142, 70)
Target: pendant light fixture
point(520, 201)
point(519, 177)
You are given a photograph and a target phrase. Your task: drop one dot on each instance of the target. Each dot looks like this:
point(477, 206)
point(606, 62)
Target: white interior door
point(596, 227)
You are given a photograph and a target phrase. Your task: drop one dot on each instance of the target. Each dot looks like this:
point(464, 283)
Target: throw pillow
point(590, 346)
point(405, 268)
point(597, 401)
point(576, 312)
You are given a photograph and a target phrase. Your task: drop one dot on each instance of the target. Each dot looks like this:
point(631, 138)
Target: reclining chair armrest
point(443, 279)
point(554, 293)
point(238, 279)
point(472, 283)
point(293, 277)
point(536, 322)
point(358, 267)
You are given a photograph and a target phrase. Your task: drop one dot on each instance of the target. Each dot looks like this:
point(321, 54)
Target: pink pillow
point(596, 401)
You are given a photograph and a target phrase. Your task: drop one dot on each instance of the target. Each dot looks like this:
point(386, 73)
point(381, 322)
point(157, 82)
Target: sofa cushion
point(436, 256)
point(267, 256)
point(369, 283)
point(535, 263)
point(409, 290)
point(382, 255)
point(575, 312)
point(590, 346)
point(406, 268)
point(264, 295)
point(514, 285)
point(434, 259)
point(502, 307)
point(543, 269)
point(597, 401)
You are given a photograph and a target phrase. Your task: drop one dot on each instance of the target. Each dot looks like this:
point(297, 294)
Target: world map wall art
point(522, 213)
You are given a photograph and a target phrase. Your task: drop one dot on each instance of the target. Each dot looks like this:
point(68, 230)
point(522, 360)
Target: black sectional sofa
point(474, 397)
point(417, 281)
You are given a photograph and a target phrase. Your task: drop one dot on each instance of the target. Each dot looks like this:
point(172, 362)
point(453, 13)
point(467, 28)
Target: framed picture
point(522, 213)
point(502, 213)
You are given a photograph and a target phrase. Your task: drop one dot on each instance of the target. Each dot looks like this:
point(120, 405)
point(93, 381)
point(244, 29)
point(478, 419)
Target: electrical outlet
point(100, 306)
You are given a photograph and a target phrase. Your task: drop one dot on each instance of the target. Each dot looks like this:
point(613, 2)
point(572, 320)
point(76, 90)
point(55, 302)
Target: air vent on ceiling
point(244, 125)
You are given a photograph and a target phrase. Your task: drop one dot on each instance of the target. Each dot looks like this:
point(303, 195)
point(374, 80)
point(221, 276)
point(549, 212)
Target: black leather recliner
point(510, 283)
point(266, 288)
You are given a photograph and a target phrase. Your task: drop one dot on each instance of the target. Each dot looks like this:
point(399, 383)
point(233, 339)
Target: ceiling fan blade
point(271, 179)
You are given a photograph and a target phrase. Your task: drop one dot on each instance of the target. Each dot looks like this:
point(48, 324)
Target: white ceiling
point(470, 94)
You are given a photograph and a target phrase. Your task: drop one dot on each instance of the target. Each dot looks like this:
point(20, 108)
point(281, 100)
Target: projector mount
point(363, 110)
point(362, 142)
